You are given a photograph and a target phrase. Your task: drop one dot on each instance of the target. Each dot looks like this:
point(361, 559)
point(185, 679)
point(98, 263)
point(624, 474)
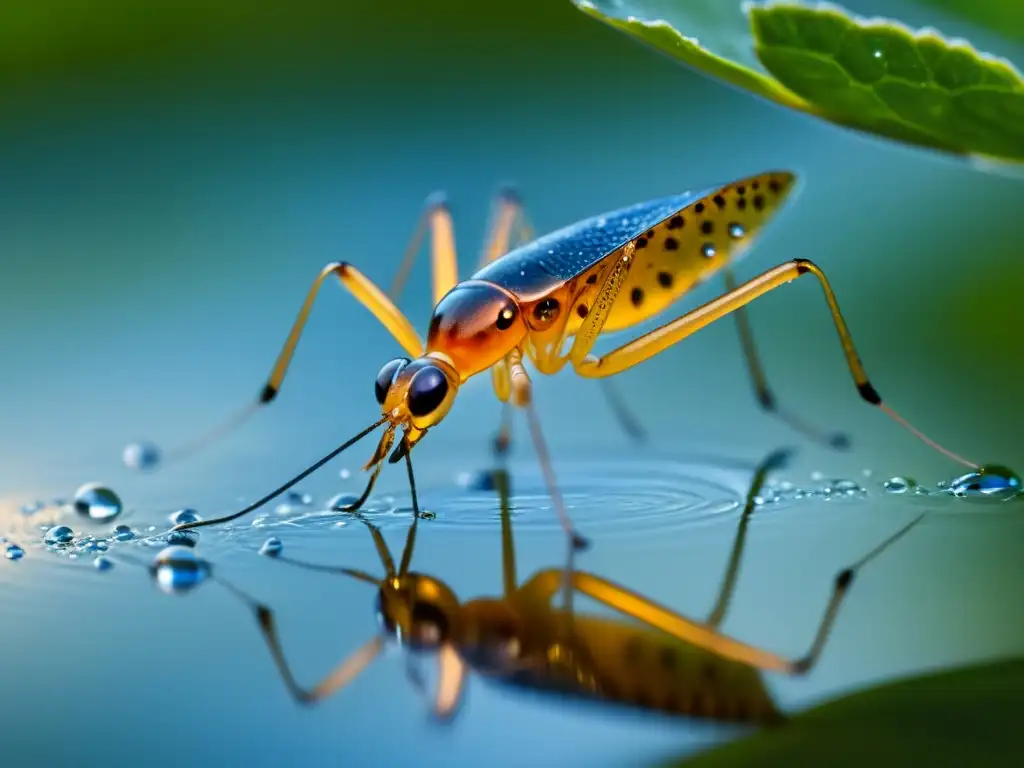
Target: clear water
point(200, 213)
point(97, 502)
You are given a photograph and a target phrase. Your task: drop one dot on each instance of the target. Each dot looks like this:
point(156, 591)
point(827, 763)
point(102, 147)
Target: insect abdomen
point(649, 669)
point(688, 247)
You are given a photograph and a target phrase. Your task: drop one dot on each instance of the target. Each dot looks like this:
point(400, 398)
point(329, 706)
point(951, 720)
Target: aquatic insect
point(658, 661)
point(606, 273)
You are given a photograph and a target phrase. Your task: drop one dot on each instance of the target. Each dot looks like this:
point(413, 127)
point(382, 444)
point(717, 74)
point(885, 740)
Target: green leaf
point(1004, 16)
point(966, 716)
point(874, 76)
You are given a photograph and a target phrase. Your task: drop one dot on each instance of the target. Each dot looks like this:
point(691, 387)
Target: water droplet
point(736, 231)
point(93, 545)
point(848, 487)
point(345, 473)
point(183, 538)
point(898, 484)
point(97, 502)
point(708, 250)
point(103, 563)
point(299, 498)
point(185, 516)
point(817, 476)
point(178, 569)
point(271, 547)
point(14, 552)
point(123, 533)
point(992, 482)
point(59, 534)
point(342, 500)
point(141, 456)
point(30, 508)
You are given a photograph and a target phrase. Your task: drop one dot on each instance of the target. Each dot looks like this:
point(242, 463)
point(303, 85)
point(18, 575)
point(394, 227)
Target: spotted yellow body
point(623, 663)
point(685, 249)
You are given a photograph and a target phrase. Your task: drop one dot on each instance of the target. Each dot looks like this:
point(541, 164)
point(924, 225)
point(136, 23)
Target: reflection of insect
point(607, 273)
point(673, 664)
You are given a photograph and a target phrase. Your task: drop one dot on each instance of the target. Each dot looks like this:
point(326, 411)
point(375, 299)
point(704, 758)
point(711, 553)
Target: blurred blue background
point(173, 176)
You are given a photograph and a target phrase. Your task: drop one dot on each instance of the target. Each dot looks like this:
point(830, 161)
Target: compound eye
point(387, 376)
point(507, 316)
point(427, 391)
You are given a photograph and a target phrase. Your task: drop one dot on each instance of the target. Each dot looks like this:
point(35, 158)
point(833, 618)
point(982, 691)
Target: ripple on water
point(629, 497)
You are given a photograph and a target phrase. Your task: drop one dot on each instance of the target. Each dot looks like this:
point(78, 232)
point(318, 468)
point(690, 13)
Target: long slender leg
point(437, 219)
point(509, 226)
point(772, 462)
point(340, 676)
point(366, 293)
point(703, 635)
point(501, 380)
point(369, 295)
point(522, 397)
point(508, 546)
point(659, 339)
point(629, 423)
point(765, 397)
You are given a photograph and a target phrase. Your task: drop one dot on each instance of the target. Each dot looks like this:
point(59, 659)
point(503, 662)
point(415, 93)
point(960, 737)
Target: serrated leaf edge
point(866, 22)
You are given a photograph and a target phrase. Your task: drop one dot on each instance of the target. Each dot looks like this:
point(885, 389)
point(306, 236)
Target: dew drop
point(345, 473)
point(141, 456)
point(898, 484)
point(102, 563)
point(708, 250)
point(30, 508)
point(271, 547)
point(337, 503)
point(97, 502)
point(178, 569)
point(123, 533)
point(14, 552)
point(847, 487)
point(184, 517)
point(182, 538)
point(59, 534)
point(736, 231)
point(992, 482)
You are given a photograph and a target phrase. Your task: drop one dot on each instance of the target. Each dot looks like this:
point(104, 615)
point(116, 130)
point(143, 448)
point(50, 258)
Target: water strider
point(607, 273)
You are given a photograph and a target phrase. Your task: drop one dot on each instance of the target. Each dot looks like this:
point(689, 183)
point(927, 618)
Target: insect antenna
point(282, 488)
